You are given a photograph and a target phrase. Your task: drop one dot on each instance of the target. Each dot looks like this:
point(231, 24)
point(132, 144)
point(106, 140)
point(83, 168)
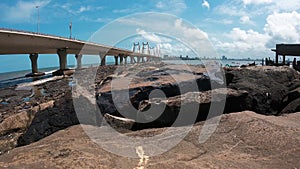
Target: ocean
point(14, 78)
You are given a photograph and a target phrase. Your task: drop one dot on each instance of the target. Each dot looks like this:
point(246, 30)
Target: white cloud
point(99, 20)
point(174, 6)
point(205, 4)
point(271, 6)
point(83, 9)
point(160, 5)
point(248, 2)
point(286, 6)
point(230, 10)
point(221, 21)
point(246, 20)
point(175, 49)
point(127, 10)
point(152, 37)
point(22, 11)
point(75, 8)
point(242, 43)
point(189, 32)
point(283, 28)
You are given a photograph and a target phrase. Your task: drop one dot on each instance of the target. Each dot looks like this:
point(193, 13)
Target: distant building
point(224, 58)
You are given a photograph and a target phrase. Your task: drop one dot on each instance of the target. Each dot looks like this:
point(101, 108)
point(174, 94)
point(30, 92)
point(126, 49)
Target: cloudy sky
point(235, 28)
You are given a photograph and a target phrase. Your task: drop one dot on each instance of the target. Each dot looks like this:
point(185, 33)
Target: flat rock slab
point(241, 140)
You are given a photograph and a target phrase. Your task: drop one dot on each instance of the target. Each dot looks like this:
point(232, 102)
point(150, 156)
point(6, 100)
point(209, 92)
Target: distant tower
point(136, 46)
point(157, 50)
point(146, 47)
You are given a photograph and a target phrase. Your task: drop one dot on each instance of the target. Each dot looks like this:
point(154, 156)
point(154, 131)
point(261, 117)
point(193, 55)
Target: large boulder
point(158, 112)
point(267, 87)
point(172, 80)
point(292, 107)
point(45, 122)
point(294, 94)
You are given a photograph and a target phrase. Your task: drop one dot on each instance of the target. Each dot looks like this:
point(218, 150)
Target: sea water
point(8, 79)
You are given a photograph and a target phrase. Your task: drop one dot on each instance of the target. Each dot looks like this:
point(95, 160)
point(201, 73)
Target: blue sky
point(235, 28)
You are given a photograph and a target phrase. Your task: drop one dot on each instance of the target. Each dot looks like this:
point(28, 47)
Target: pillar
point(121, 59)
point(62, 54)
point(283, 59)
point(78, 59)
point(138, 59)
point(33, 59)
point(102, 58)
point(116, 60)
point(143, 59)
point(125, 60)
point(276, 59)
point(132, 61)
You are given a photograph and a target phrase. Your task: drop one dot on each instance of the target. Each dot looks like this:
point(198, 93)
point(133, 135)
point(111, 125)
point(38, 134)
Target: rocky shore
point(39, 123)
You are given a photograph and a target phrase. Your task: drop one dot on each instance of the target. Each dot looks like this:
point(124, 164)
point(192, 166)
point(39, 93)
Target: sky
point(234, 28)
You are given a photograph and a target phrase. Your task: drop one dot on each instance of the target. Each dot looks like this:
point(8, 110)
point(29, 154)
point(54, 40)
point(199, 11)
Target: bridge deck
point(18, 42)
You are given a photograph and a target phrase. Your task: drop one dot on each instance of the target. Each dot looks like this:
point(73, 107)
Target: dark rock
point(292, 107)
point(194, 105)
point(48, 121)
point(35, 74)
point(294, 94)
point(294, 84)
point(267, 87)
point(67, 72)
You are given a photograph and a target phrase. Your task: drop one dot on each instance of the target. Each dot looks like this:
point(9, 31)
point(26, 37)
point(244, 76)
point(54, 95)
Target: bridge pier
point(79, 60)
point(34, 67)
point(63, 70)
point(102, 59)
point(138, 59)
point(132, 61)
point(116, 60)
point(121, 59)
point(62, 54)
point(125, 59)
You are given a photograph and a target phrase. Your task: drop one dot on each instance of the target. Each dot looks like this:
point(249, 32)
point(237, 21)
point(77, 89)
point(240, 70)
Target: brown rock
point(242, 140)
